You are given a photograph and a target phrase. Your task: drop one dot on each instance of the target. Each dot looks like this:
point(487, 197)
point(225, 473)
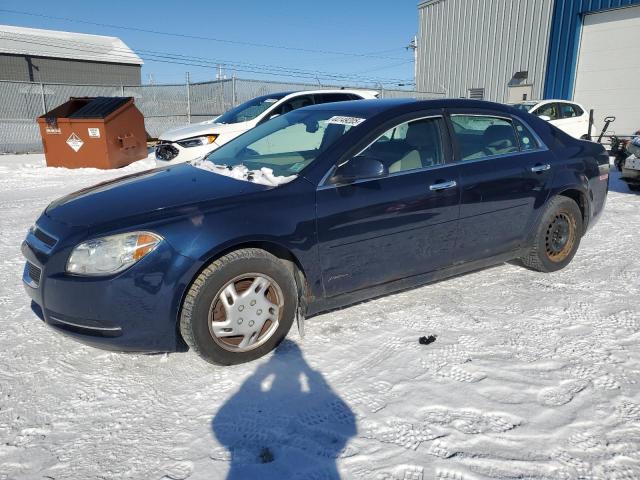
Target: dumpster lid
point(100, 107)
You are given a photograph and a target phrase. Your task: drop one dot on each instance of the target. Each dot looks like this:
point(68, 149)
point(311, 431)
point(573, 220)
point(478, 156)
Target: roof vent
point(476, 93)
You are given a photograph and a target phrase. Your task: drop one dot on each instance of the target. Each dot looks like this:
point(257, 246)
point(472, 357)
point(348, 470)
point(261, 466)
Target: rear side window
point(481, 136)
point(526, 138)
point(568, 111)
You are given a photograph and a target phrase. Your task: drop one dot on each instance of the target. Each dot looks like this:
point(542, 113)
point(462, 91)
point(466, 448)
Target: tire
point(634, 187)
point(221, 315)
point(557, 236)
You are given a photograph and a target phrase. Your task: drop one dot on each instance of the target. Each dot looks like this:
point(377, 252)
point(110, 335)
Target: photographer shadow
point(285, 421)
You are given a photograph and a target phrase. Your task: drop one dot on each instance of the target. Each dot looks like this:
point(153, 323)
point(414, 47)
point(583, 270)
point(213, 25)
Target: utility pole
point(188, 99)
point(220, 75)
point(413, 45)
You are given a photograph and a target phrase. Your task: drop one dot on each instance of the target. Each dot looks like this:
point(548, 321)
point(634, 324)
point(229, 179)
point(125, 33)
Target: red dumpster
point(99, 132)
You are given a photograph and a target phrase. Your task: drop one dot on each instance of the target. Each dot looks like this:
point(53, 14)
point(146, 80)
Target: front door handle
point(436, 187)
point(540, 168)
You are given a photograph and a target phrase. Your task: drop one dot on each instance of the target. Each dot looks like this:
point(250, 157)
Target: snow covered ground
point(532, 376)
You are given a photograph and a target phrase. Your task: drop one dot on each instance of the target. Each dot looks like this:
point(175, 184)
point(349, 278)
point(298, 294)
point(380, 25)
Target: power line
point(164, 57)
point(200, 37)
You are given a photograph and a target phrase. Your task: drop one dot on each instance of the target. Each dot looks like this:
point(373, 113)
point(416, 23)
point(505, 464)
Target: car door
point(505, 174)
point(375, 231)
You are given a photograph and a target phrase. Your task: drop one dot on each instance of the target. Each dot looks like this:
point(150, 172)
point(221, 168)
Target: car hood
point(203, 129)
point(147, 195)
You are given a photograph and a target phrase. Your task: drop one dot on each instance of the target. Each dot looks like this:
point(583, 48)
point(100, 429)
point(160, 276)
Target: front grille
point(166, 152)
point(34, 273)
point(44, 237)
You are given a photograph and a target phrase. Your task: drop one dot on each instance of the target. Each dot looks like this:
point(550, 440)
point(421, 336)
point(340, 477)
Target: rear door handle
point(540, 168)
point(436, 187)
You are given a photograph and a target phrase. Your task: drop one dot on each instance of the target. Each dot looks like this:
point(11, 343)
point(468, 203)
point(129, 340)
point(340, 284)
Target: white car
point(195, 141)
point(570, 117)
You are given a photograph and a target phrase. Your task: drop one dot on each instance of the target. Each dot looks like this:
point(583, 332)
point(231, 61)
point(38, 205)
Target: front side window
point(284, 145)
point(409, 146)
point(481, 136)
point(249, 110)
point(549, 110)
point(296, 103)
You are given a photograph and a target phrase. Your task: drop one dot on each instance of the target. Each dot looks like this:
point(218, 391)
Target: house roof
point(70, 45)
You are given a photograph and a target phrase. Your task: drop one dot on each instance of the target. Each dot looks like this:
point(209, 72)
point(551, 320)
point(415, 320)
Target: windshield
point(249, 110)
point(525, 107)
point(284, 145)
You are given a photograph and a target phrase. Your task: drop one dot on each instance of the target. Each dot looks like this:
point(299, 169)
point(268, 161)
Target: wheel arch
point(580, 197)
point(275, 249)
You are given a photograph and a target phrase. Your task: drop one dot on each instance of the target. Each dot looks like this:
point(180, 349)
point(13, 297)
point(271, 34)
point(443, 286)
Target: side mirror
point(546, 118)
point(359, 168)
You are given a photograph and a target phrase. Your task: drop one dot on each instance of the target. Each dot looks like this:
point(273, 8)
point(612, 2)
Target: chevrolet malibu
point(314, 210)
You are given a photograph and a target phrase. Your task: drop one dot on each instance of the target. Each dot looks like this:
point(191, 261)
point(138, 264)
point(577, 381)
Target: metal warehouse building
point(34, 55)
point(510, 50)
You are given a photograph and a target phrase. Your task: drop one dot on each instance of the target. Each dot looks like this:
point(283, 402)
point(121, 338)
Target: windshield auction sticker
point(352, 121)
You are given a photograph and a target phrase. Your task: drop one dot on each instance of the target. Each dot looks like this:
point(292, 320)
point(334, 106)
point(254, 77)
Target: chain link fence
point(163, 106)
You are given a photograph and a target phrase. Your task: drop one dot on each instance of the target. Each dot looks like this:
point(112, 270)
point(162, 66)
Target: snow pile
point(529, 375)
point(264, 176)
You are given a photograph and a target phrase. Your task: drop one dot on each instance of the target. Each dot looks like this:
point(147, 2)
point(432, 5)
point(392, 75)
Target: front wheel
point(557, 237)
point(240, 307)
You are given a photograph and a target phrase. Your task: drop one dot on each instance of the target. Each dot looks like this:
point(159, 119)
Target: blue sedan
point(317, 209)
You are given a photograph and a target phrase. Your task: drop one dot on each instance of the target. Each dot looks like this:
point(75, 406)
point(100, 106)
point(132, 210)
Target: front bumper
point(136, 310)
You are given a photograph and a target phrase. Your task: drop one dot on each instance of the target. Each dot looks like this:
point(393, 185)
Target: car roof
point(540, 102)
point(327, 90)
point(368, 108)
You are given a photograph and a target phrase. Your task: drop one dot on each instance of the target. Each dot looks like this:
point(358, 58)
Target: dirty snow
point(531, 376)
point(264, 176)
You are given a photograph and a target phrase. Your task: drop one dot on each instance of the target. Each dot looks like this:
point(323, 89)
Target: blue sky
point(378, 29)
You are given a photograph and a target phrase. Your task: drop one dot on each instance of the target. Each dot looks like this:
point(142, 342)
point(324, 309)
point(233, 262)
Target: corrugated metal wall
point(565, 41)
point(25, 68)
point(467, 44)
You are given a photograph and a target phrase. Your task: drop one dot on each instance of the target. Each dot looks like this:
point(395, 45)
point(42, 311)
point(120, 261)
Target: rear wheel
point(240, 307)
point(557, 237)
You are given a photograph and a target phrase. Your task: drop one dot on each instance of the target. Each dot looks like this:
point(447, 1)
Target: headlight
point(112, 254)
point(197, 141)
